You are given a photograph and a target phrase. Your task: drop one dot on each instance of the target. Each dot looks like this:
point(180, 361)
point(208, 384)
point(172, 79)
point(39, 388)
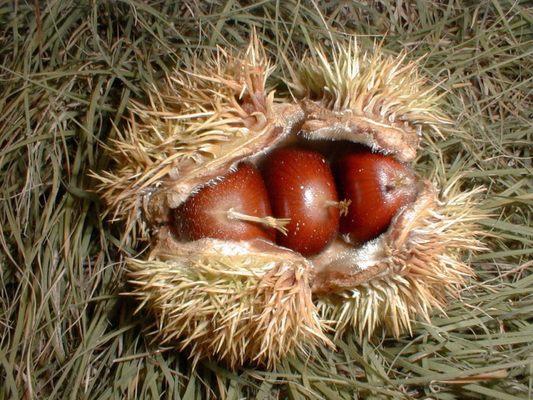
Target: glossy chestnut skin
point(300, 185)
point(377, 186)
point(205, 214)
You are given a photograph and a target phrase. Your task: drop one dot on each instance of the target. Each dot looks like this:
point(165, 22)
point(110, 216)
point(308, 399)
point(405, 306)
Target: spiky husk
point(384, 88)
point(229, 302)
point(255, 306)
point(366, 97)
point(421, 270)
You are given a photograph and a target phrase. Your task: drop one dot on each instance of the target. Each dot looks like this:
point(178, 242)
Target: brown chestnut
point(377, 186)
point(301, 187)
point(236, 208)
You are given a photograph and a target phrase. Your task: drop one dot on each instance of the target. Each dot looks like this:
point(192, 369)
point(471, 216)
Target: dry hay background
point(68, 70)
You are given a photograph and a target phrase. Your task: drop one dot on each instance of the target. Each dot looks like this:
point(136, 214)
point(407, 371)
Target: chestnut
point(301, 187)
point(377, 186)
point(235, 208)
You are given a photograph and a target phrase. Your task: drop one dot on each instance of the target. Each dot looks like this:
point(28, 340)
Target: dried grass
point(67, 71)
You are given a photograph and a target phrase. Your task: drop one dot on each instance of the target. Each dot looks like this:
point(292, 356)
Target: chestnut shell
point(301, 187)
point(377, 186)
point(205, 213)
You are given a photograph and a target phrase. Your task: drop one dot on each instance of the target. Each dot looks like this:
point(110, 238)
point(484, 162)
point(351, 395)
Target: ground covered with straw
point(68, 72)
